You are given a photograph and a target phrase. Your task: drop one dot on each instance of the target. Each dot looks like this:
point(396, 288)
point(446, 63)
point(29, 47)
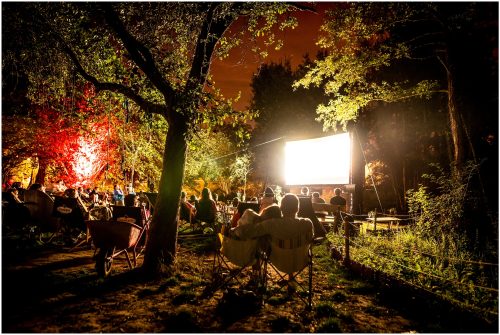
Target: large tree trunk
point(455, 125)
point(162, 240)
point(42, 171)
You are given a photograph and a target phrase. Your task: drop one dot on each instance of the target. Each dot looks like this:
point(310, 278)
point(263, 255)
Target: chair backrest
point(290, 255)
point(40, 204)
point(65, 207)
point(239, 252)
point(122, 212)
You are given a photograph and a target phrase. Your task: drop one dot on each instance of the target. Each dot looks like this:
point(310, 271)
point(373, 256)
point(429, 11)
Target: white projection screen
point(318, 161)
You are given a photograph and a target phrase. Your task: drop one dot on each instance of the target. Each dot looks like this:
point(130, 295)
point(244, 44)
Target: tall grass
point(436, 253)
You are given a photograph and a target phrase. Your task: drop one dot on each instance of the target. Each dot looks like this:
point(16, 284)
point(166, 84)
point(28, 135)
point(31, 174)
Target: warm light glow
point(85, 161)
point(319, 161)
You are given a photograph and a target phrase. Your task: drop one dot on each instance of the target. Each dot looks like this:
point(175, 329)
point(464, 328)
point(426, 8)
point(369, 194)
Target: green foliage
point(441, 210)
point(240, 168)
point(142, 139)
point(435, 261)
point(362, 40)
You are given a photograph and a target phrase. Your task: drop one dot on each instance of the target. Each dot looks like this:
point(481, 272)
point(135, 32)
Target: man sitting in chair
point(340, 202)
point(288, 232)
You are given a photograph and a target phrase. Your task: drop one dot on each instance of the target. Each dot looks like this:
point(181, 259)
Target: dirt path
point(58, 291)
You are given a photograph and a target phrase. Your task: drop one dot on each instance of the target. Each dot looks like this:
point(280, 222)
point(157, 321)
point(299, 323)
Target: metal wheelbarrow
point(113, 238)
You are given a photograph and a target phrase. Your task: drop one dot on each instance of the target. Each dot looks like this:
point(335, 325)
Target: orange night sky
point(234, 73)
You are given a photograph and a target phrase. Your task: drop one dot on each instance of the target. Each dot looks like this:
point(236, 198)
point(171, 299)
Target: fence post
point(347, 258)
point(375, 221)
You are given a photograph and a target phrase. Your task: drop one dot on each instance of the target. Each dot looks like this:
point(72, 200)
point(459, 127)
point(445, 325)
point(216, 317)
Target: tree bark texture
point(42, 171)
point(162, 237)
point(456, 126)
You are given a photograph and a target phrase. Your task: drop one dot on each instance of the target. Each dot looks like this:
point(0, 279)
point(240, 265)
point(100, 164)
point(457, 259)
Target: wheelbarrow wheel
point(104, 261)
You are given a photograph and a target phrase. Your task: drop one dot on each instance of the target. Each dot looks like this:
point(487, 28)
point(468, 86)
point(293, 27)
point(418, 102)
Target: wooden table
point(389, 220)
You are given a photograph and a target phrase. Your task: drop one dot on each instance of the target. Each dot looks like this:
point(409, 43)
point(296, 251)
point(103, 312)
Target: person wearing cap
point(267, 200)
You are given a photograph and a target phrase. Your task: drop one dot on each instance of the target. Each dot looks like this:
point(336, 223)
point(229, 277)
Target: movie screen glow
point(318, 161)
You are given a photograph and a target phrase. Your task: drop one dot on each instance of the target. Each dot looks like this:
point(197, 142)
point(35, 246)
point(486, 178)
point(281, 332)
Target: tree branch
point(211, 31)
point(113, 87)
point(139, 53)
point(147, 106)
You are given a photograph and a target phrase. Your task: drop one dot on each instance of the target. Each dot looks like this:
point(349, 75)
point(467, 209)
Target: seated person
point(206, 210)
point(59, 187)
point(242, 206)
point(82, 194)
point(316, 199)
point(235, 202)
point(304, 191)
point(250, 216)
point(286, 229)
point(337, 199)
point(72, 193)
point(14, 196)
point(268, 199)
point(193, 200)
point(186, 211)
point(130, 200)
point(37, 186)
point(15, 211)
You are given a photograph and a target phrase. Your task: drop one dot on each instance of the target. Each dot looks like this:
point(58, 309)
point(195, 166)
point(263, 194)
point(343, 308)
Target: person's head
point(290, 205)
point(337, 191)
point(183, 196)
point(17, 184)
point(193, 198)
point(117, 187)
point(271, 212)
point(71, 193)
point(268, 192)
point(315, 195)
point(206, 194)
point(235, 202)
point(304, 190)
point(130, 200)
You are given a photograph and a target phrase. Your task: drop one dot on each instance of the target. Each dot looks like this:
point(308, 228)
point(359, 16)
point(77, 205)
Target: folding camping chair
point(71, 215)
point(291, 258)
point(231, 260)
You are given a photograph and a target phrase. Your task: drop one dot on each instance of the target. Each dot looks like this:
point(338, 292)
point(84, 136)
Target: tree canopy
point(389, 52)
point(157, 55)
